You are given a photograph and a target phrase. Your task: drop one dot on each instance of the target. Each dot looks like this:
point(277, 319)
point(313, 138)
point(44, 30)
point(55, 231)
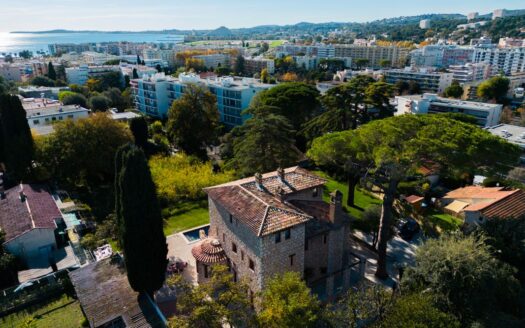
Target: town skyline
point(136, 16)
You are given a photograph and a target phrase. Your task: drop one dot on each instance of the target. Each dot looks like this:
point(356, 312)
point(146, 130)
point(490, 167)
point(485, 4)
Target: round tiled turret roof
point(209, 251)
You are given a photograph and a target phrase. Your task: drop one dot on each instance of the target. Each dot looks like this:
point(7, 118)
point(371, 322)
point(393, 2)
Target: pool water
point(193, 235)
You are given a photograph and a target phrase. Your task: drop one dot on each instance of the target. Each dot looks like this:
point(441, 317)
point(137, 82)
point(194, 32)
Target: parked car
point(407, 228)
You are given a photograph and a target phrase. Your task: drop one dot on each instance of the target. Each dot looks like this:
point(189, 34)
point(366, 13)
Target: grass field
point(61, 312)
point(276, 43)
point(362, 199)
point(445, 222)
point(185, 215)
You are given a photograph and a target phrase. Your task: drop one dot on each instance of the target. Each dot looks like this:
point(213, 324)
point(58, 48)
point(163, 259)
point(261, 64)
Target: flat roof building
point(486, 114)
point(154, 95)
point(427, 79)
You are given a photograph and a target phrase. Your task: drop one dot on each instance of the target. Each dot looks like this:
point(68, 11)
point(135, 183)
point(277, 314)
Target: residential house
point(29, 217)
point(278, 222)
point(476, 204)
point(108, 300)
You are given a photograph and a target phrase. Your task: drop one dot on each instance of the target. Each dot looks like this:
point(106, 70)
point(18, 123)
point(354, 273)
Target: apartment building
point(257, 64)
point(12, 72)
point(428, 80)
point(278, 222)
point(81, 74)
point(441, 56)
point(470, 72)
point(214, 60)
point(374, 54)
point(486, 114)
point(154, 94)
point(319, 50)
point(506, 60)
point(41, 113)
point(32, 91)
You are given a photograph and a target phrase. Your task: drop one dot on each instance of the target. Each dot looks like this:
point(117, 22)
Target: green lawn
point(61, 312)
point(362, 199)
point(276, 43)
point(185, 215)
point(444, 221)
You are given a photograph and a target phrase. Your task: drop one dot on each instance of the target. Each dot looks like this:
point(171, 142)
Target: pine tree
point(51, 73)
point(266, 143)
point(17, 149)
point(139, 221)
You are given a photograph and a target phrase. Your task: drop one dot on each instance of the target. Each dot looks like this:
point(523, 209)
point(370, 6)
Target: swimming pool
point(193, 235)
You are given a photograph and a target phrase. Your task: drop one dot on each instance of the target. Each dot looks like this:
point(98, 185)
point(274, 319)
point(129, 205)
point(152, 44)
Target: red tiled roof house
point(476, 203)
point(278, 222)
point(28, 216)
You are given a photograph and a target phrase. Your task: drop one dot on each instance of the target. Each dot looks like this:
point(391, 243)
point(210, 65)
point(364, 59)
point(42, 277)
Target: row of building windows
point(60, 118)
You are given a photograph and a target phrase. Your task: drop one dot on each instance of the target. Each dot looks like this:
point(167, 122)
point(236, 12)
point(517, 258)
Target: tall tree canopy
point(16, 142)
point(494, 89)
point(193, 120)
point(347, 106)
point(263, 143)
point(455, 90)
point(51, 73)
point(216, 302)
point(463, 277)
point(139, 221)
point(296, 101)
point(82, 151)
point(394, 148)
point(139, 129)
point(287, 302)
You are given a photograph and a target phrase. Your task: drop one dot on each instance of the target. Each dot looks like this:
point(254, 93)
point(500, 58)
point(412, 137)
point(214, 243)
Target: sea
point(12, 43)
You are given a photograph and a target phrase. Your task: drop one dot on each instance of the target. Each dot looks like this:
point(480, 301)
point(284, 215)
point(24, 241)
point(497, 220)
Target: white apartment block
point(97, 58)
point(214, 60)
point(374, 54)
point(511, 42)
point(424, 24)
point(41, 113)
point(506, 60)
point(154, 95)
point(11, 72)
point(486, 114)
point(81, 74)
point(470, 72)
point(306, 62)
point(429, 81)
point(441, 56)
point(471, 16)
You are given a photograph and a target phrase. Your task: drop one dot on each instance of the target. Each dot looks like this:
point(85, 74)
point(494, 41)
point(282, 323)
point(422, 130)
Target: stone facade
point(318, 248)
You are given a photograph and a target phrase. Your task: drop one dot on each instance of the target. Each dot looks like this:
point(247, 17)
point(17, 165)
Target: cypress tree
point(51, 73)
point(139, 128)
point(140, 222)
point(17, 143)
point(135, 74)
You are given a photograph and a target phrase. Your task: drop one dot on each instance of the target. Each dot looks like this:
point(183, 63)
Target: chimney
point(336, 207)
point(21, 193)
point(280, 174)
point(280, 193)
point(258, 181)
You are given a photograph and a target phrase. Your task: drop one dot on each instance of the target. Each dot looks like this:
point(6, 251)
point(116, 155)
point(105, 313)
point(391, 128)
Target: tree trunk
point(384, 229)
point(352, 183)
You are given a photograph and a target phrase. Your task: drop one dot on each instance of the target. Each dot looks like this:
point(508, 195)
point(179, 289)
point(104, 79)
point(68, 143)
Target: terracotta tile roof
point(209, 251)
point(261, 208)
point(491, 202)
point(477, 192)
point(39, 210)
point(512, 206)
point(413, 199)
point(105, 294)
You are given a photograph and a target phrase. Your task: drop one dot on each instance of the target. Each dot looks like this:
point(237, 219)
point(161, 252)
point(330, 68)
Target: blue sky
point(202, 14)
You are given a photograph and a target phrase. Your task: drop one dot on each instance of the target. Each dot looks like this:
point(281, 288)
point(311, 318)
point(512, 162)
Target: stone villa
point(277, 222)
